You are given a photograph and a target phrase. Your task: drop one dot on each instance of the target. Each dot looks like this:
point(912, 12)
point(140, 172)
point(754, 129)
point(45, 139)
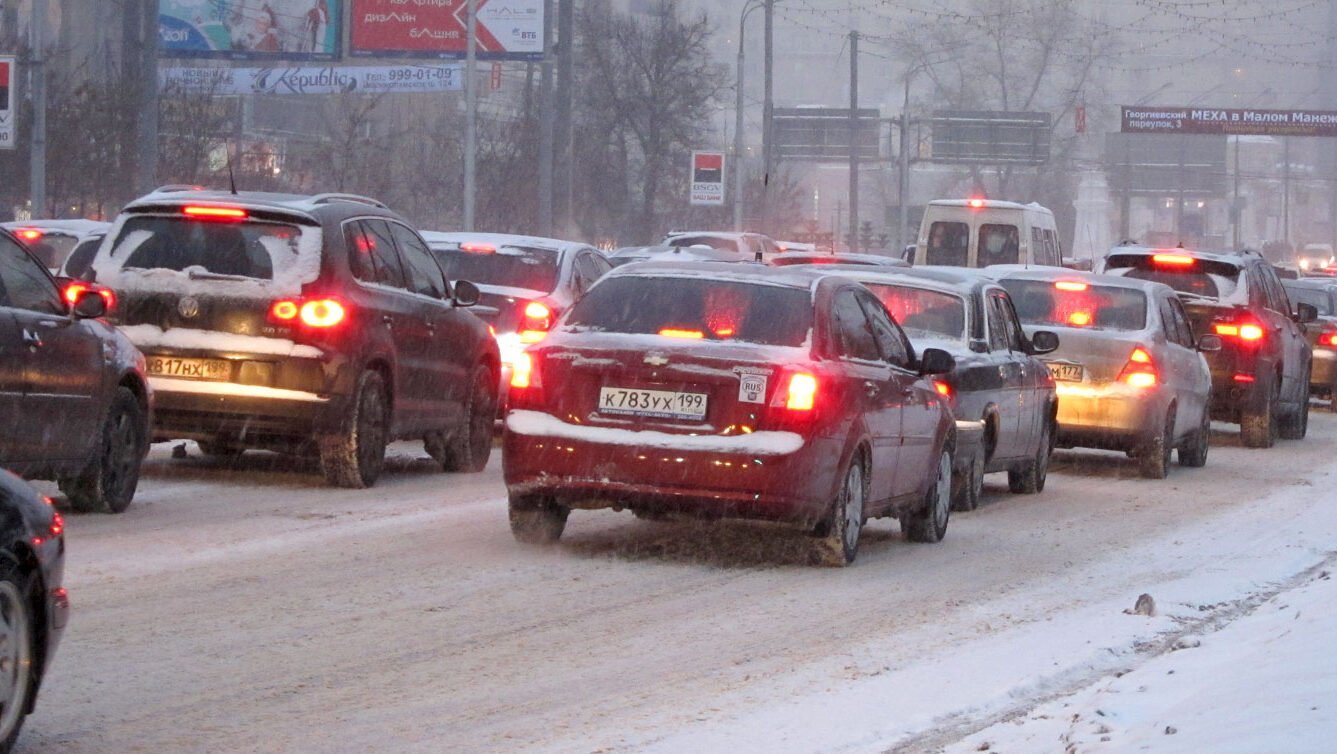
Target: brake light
point(1242, 377)
point(1140, 371)
point(802, 392)
point(670, 332)
point(538, 319)
point(29, 234)
point(975, 203)
point(321, 313)
point(284, 311)
point(1070, 285)
point(1249, 332)
point(1079, 319)
point(1328, 338)
point(478, 248)
point(944, 388)
point(522, 371)
point(76, 289)
point(214, 213)
point(1173, 260)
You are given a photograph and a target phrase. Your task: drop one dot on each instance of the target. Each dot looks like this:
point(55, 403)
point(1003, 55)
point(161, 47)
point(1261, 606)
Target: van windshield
point(948, 244)
point(998, 244)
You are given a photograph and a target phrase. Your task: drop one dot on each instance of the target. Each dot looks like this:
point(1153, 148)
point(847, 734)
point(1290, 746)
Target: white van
point(981, 232)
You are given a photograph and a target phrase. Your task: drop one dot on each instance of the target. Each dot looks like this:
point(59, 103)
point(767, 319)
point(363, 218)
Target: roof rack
point(327, 198)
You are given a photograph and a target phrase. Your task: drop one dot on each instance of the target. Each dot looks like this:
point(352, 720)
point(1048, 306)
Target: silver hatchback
point(1129, 371)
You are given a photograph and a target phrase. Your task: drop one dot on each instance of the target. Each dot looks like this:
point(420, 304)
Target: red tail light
point(801, 393)
point(522, 372)
point(1140, 371)
point(29, 234)
point(673, 332)
point(975, 203)
point(943, 387)
point(1070, 285)
point(1328, 338)
point(478, 248)
point(319, 313)
point(538, 319)
point(1173, 260)
point(76, 289)
point(1247, 332)
point(214, 213)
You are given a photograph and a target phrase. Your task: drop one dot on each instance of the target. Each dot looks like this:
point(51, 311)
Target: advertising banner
point(707, 179)
point(507, 29)
point(1241, 122)
point(8, 100)
point(250, 29)
point(441, 77)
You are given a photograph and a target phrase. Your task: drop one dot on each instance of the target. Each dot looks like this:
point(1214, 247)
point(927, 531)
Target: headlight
point(510, 346)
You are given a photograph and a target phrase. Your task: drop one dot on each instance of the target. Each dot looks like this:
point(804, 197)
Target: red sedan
point(718, 391)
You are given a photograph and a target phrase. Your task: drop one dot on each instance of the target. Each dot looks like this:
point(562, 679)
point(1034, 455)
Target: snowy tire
point(536, 520)
point(354, 457)
point(1153, 458)
point(1030, 479)
point(967, 489)
point(1193, 453)
point(929, 523)
point(470, 446)
point(840, 545)
point(18, 658)
point(108, 484)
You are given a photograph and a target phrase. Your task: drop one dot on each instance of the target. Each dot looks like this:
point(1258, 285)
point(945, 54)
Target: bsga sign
point(7, 99)
point(707, 178)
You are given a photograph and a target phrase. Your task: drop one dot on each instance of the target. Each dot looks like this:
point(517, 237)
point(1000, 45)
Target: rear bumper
point(1231, 397)
point(764, 475)
point(191, 409)
point(1325, 370)
point(1111, 415)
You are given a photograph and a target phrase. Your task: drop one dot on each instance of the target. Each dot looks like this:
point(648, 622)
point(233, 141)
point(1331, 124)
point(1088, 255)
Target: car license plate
point(1066, 372)
point(658, 404)
point(195, 369)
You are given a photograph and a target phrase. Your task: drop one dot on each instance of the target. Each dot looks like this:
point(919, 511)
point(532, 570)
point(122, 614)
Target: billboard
point(1242, 122)
point(7, 98)
point(507, 29)
point(822, 134)
point(1162, 164)
point(438, 77)
point(987, 137)
point(250, 29)
point(707, 179)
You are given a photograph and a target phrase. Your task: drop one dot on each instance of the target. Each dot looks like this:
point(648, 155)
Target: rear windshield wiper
point(199, 274)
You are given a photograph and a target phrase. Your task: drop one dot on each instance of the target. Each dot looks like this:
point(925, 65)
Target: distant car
point(75, 404)
point(297, 323)
point(1315, 257)
point(786, 258)
point(525, 282)
point(1001, 394)
point(784, 246)
point(1260, 377)
point(666, 253)
point(1129, 369)
point(743, 392)
point(52, 241)
point(751, 247)
point(78, 264)
point(1321, 294)
point(34, 604)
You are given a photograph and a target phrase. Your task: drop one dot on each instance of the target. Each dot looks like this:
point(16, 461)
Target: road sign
point(975, 137)
point(1166, 164)
point(1243, 122)
point(7, 101)
point(822, 134)
point(507, 29)
point(707, 178)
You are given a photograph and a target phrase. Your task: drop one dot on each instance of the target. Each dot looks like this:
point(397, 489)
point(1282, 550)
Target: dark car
point(311, 324)
point(1001, 395)
point(818, 257)
point(34, 605)
point(1260, 376)
point(724, 391)
point(53, 241)
point(74, 399)
point(525, 283)
point(1320, 293)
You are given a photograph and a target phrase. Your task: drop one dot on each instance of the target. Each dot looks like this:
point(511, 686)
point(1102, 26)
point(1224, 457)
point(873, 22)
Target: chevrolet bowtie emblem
point(655, 359)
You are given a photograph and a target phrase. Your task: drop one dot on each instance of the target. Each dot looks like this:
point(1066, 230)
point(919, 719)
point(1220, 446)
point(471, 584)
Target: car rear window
point(509, 266)
point(696, 307)
point(1319, 299)
point(51, 248)
point(1203, 278)
point(1050, 303)
point(714, 242)
point(250, 249)
point(923, 313)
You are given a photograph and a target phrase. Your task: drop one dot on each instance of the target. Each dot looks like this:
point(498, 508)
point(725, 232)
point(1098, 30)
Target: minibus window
point(998, 245)
point(948, 244)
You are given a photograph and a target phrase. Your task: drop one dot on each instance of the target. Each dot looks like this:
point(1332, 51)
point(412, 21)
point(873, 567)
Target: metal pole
point(547, 133)
point(470, 117)
point(37, 165)
point(903, 189)
point(1286, 191)
point(854, 144)
point(738, 181)
point(146, 136)
point(768, 104)
point(1235, 210)
point(566, 38)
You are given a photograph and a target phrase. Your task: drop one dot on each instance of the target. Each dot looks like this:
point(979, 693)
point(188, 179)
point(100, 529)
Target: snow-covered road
point(249, 608)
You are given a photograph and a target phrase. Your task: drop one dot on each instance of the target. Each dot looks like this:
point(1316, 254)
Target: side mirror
point(908, 253)
point(1305, 313)
point(89, 304)
point(466, 293)
point(1209, 343)
point(1043, 341)
point(936, 361)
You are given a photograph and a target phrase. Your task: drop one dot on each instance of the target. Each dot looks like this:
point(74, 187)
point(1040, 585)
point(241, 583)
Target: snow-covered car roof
point(793, 277)
point(78, 227)
point(454, 238)
point(1017, 272)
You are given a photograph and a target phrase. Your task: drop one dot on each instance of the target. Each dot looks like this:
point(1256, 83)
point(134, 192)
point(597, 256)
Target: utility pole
point(768, 105)
point(146, 135)
point(566, 21)
point(854, 142)
point(903, 170)
point(546, 130)
point(739, 180)
point(37, 63)
point(1286, 192)
point(470, 117)
point(1330, 84)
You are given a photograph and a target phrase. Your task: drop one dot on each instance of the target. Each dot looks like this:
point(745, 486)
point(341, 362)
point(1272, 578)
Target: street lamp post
point(739, 177)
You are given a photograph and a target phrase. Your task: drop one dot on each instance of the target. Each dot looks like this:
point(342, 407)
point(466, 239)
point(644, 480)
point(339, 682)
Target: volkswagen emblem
point(188, 307)
point(656, 359)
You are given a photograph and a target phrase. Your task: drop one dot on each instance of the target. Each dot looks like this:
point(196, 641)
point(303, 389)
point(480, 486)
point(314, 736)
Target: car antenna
point(231, 179)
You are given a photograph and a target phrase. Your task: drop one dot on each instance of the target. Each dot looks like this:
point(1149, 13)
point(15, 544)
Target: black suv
point(74, 401)
point(300, 324)
point(1260, 377)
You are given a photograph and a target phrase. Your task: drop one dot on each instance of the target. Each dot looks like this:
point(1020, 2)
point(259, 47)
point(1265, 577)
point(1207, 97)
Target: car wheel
point(1332, 397)
point(929, 523)
point(1193, 453)
point(536, 520)
point(1031, 478)
point(1258, 429)
point(840, 545)
point(966, 489)
point(471, 445)
point(1296, 425)
point(17, 657)
point(218, 447)
point(108, 484)
point(354, 457)
point(1154, 455)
